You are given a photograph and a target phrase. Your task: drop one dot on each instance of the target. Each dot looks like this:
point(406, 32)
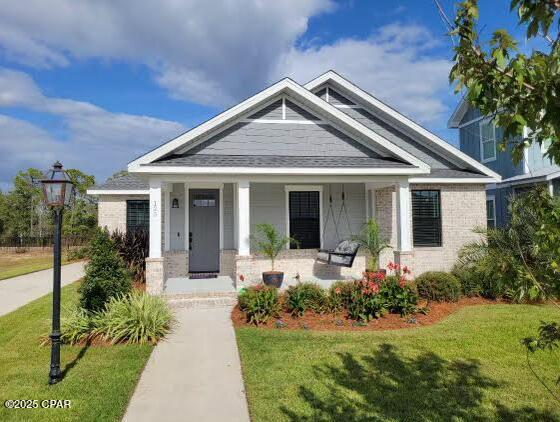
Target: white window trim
point(304, 188)
point(491, 198)
point(482, 142)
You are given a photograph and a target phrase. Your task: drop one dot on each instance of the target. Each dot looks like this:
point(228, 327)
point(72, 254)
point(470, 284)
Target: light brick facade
point(112, 211)
point(463, 208)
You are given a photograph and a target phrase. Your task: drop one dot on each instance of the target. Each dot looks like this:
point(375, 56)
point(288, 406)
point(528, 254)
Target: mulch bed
point(341, 322)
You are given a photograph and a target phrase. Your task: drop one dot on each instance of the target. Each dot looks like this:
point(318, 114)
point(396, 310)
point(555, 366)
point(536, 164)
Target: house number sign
point(154, 208)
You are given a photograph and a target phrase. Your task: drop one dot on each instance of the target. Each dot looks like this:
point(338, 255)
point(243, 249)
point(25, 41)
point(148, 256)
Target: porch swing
point(345, 252)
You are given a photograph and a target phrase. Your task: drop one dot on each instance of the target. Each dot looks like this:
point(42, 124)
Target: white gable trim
point(280, 170)
point(331, 76)
point(117, 192)
point(284, 86)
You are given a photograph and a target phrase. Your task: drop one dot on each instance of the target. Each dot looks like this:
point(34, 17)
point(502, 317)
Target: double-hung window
point(490, 212)
point(304, 216)
point(487, 140)
point(137, 215)
point(426, 218)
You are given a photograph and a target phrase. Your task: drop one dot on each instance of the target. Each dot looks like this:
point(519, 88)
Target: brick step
point(202, 300)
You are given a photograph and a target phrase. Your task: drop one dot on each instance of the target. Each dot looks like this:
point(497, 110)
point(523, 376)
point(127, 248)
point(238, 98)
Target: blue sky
point(95, 84)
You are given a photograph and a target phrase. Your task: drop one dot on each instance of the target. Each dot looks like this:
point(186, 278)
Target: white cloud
point(95, 140)
point(219, 52)
point(392, 65)
point(206, 51)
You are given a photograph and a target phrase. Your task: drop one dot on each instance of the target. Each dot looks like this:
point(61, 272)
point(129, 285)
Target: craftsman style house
point(295, 156)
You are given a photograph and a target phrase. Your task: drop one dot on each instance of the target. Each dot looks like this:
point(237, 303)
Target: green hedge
point(439, 286)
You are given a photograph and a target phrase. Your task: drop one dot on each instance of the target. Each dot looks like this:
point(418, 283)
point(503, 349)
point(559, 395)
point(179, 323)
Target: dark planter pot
point(273, 278)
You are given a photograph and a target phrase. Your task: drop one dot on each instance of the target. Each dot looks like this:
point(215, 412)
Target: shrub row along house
point(316, 161)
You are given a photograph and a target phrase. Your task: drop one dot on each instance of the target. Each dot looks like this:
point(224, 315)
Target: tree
point(522, 91)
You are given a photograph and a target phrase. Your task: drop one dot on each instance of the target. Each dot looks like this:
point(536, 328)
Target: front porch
point(210, 232)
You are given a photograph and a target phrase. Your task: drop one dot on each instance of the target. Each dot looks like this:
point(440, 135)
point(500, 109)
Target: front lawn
point(470, 366)
point(99, 380)
point(13, 264)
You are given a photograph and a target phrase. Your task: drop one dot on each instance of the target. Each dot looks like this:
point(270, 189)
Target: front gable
point(283, 129)
point(392, 125)
point(285, 120)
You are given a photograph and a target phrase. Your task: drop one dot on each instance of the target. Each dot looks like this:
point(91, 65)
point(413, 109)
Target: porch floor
point(225, 284)
point(185, 285)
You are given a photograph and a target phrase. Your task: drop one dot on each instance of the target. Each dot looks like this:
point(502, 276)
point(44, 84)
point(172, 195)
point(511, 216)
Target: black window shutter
point(137, 215)
point(426, 218)
point(304, 219)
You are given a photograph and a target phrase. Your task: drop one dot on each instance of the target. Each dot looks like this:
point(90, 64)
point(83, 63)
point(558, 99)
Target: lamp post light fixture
point(58, 192)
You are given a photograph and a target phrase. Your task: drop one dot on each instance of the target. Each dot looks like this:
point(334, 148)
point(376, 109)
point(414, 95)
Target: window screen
point(426, 218)
point(137, 215)
point(305, 219)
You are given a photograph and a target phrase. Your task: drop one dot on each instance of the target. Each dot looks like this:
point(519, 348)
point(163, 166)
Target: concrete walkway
point(195, 375)
point(17, 291)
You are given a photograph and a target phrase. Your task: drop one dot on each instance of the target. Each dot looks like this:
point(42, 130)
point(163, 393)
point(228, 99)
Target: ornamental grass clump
point(76, 326)
point(134, 318)
point(305, 296)
point(259, 303)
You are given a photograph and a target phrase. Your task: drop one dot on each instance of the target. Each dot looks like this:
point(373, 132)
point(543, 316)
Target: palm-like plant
point(269, 242)
point(370, 239)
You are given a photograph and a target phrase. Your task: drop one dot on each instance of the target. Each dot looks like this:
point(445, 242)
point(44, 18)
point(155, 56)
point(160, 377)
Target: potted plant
point(370, 239)
point(269, 242)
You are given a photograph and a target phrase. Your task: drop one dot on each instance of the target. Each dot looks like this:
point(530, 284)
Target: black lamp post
point(58, 191)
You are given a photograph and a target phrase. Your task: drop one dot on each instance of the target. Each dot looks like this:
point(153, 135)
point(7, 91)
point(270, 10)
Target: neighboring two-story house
point(479, 138)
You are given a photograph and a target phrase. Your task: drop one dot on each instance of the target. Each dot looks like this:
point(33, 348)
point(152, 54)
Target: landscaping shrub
point(259, 303)
point(400, 295)
point(519, 261)
point(439, 286)
point(339, 295)
point(76, 325)
point(136, 317)
point(305, 296)
point(365, 301)
point(105, 274)
point(133, 248)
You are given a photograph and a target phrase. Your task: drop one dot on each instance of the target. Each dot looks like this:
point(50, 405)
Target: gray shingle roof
point(202, 160)
point(454, 173)
point(122, 182)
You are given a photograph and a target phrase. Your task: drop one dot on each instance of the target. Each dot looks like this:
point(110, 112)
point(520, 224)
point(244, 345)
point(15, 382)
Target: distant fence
point(40, 242)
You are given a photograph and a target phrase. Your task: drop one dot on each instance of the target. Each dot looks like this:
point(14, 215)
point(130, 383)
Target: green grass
point(470, 366)
point(12, 264)
point(99, 380)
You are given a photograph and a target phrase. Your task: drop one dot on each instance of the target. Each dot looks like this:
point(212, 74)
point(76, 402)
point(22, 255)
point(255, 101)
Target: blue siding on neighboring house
point(471, 114)
point(502, 199)
point(469, 137)
point(537, 160)
point(556, 187)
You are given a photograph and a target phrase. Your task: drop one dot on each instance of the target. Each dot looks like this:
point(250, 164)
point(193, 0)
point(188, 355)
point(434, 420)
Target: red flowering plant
point(398, 290)
point(365, 301)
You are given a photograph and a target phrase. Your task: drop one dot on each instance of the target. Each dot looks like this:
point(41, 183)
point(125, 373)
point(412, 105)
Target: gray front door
point(204, 225)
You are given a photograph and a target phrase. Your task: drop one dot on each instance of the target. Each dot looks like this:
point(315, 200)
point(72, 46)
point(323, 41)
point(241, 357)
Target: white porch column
point(167, 217)
point(187, 208)
point(243, 219)
point(404, 217)
point(155, 219)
